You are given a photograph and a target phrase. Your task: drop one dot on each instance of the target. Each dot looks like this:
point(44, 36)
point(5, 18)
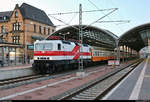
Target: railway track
point(98, 88)
point(11, 83)
point(19, 79)
point(14, 82)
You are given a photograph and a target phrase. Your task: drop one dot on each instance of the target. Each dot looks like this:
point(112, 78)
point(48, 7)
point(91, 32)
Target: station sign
point(30, 47)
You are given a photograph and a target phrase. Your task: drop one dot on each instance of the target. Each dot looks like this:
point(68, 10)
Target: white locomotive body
point(54, 55)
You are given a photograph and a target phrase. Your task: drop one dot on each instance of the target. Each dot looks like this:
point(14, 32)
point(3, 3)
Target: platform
point(15, 71)
point(135, 86)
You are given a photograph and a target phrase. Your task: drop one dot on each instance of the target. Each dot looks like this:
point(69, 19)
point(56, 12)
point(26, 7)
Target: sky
point(136, 11)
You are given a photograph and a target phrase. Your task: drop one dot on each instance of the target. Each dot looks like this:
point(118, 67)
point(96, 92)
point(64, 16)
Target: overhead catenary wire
point(82, 11)
point(114, 9)
point(125, 21)
point(68, 21)
point(101, 17)
point(105, 15)
point(102, 12)
point(96, 7)
point(72, 18)
point(131, 23)
point(120, 13)
point(52, 15)
point(63, 22)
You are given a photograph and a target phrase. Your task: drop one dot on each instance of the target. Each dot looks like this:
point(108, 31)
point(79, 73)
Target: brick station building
point(19, 29)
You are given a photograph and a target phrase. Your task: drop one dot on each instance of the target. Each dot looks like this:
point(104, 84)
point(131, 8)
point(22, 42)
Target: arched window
point(16, 14)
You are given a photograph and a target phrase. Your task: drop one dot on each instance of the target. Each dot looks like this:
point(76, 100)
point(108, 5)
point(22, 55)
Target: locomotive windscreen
point(43, 47)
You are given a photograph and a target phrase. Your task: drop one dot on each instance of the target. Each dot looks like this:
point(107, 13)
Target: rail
point(96, 89)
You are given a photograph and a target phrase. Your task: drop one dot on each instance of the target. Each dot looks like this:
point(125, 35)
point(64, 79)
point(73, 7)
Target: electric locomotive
point(54, 55)
point(57, 54)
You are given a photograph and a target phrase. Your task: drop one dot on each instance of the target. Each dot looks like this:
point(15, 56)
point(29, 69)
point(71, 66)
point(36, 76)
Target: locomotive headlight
point(35, 58)
point(50, 58)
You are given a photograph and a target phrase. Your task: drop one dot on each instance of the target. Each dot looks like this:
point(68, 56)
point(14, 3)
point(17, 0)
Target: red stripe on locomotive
point(62, 53)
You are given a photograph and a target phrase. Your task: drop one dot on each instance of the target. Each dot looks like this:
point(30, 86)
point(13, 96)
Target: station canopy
point(136, 38)
point(91, 35)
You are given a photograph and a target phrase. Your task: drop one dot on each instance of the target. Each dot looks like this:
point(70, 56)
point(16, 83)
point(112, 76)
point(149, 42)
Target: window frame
point(34, 27)
point(48, 31)
point(44, 30)
point(16, 39)
point(16, 26)
point(40, 29)
point(59, 46)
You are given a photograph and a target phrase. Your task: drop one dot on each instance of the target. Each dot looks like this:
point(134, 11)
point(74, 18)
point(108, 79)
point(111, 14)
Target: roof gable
point(33, 13)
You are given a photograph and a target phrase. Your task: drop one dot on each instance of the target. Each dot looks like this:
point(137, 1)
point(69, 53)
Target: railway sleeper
point(89, 94)
point(85, 98)
point(75, 98)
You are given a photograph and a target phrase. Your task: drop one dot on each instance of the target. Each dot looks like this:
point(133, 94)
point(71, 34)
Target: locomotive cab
point(44, 55)
point(43, 49)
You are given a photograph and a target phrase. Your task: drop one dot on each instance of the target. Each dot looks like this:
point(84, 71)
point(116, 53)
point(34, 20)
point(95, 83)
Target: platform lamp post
point(64, 35)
